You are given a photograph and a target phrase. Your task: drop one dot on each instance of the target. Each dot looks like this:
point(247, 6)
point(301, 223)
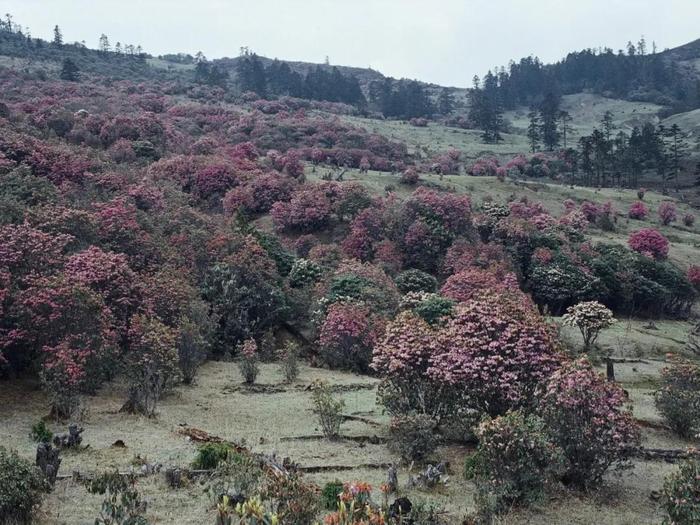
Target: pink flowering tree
point(490, 356)
point(348, 335)
point(638, 211)
point(498, 349)
point(649, 242)
point(588, 421)
point(310, 209)
point(667, 213)
point(402, 357)
point(472, 282)
point(693, 275)
point(109, 275)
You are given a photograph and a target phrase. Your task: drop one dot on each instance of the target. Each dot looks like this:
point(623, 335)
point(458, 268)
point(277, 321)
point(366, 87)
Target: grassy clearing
point(270, 422)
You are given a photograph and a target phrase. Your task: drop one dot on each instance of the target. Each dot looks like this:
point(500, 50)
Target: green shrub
point(328, 410)
point(681, 494)
point(678, 398)
point(40, 433)
point(330, 493)
point(416, 281)
point(289, 361)
point(21, 488)
point(434, 308)
point(304, 273)
point(122, 504)
point(211, 454)
point(413, 437)
point(514, 462)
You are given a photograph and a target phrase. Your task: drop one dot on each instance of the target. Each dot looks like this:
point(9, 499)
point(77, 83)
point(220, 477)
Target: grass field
point(281, 421)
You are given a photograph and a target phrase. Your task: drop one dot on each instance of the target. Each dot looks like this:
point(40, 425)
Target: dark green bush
point(21, 488)
point(434, 308)
point(415, 281)
point(40, 433)
point(330, 493)
point(211, 454)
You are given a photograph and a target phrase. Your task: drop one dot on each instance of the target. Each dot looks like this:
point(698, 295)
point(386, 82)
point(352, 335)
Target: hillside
point(295, 302)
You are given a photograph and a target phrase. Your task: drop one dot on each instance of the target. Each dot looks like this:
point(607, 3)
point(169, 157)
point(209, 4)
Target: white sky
point(441, 41)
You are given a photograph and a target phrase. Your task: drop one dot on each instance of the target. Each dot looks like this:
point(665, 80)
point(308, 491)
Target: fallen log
point(668, 455)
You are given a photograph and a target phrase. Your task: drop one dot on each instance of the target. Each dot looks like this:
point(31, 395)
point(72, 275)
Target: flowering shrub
point(410, 176)
point(681, 494)
point(489, 356)
point(259, 194)
point(348, 335)
point(308, 210)
point(590, 210)
point(667, 213)
point(638, 211)
point(590, 318)
point(649, 242)
point(402, 357)
point(693, 275)
point(498, 350)
point(470, 283)
point(514, 462)
point(63, 376)
point(678, 397)
point(587, 420)
point(484, 167)
point(248, 363)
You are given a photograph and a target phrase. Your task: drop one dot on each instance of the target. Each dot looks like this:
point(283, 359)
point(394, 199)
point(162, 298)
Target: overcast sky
point(441, 41)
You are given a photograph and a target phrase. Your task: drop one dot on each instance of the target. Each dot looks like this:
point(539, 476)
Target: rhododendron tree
point(62, 376)
point(693, 274)
point(402, 357)
point(25, 250)
point(110, 276)
point(259, 194)
point(667, 213)
point(498, 350)
point(348, 335)
point(588, 421)
point(64, 319)
point(214, 180)
point(638, 211)
point(649, 242)
point(489, 356)
point(590, 318)
point(308, 210)
point(410, 176)
point(468, 284)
